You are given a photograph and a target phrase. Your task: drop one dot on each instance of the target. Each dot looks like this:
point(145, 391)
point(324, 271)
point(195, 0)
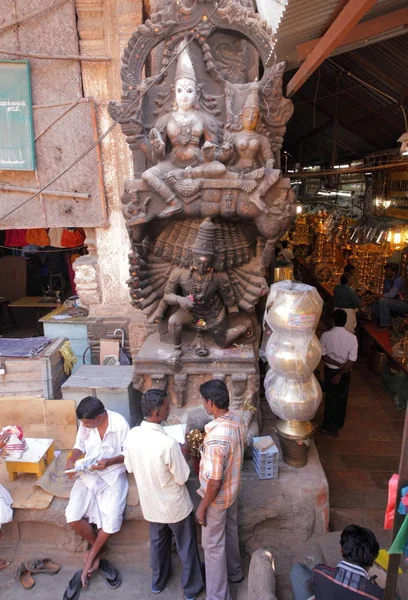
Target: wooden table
point(39, 455)
point(41, 308)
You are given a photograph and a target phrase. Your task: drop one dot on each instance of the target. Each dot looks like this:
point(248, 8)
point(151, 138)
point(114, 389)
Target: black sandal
point(74, 587)
point(112, 576)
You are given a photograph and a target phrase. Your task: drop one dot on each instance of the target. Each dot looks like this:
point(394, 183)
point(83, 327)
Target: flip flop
point(43, 565)
point(112, 576)
point(74, 587)
point(23, 576)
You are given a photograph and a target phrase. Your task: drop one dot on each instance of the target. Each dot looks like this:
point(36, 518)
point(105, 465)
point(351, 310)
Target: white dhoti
point(6, 512)
point(102, 504)
point(351, 313)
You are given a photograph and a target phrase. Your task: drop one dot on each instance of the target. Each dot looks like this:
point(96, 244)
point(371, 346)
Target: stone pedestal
point(237, 366)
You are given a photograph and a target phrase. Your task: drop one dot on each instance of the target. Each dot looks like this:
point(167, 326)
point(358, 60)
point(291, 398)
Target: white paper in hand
point(177, 432)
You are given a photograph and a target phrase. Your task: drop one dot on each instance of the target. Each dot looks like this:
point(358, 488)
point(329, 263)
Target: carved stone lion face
point(186, 93)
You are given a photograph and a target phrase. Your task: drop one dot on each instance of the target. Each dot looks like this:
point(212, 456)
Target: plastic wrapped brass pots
point(292, 399)
point(293, 357)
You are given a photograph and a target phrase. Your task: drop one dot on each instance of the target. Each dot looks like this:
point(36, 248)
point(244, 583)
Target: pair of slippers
point(112, 577)
point(25, 571)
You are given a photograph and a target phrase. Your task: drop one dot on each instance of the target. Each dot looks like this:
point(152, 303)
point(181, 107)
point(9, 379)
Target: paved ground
point(133, 564)
point(359, 463)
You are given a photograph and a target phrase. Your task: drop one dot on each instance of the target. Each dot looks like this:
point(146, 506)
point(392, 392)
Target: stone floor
point(359, 463)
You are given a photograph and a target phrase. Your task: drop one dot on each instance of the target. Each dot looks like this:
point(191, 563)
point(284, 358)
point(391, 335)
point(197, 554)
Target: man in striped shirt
point(349, 580)
point(220, 477)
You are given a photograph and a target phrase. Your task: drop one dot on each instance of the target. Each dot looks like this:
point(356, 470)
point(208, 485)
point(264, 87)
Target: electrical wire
point(116, 121)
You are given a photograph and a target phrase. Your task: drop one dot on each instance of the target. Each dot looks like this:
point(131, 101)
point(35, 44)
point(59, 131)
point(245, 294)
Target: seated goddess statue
point(253, 149)
point(183, 127)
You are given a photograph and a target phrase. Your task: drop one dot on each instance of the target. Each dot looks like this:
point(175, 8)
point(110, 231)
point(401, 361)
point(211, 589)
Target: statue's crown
point(185, 67)
point(205, 240)
point(252, 100)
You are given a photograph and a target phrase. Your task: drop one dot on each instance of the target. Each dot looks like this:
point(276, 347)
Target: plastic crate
point(266, 462)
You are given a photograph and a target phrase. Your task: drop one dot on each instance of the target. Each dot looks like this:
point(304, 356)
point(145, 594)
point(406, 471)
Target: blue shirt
point(396, 288)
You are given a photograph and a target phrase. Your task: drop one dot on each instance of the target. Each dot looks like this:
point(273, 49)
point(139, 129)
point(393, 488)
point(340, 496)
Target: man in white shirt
point(286, 253)
point(339, 353)
point(161, 472)
point(99, 495)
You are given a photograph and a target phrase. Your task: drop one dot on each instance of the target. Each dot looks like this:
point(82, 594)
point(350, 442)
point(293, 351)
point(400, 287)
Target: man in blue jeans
point(394, 297)
point(349, 580)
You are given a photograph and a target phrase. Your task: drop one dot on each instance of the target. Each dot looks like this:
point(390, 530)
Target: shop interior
point(37, 277)
point(346, 154)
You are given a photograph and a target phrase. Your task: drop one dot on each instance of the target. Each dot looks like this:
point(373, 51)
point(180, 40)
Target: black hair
point(285, 244)
point(216, 391)
point(359, 545)
point(349, 269)
point(152, 400)
point(344, 279)
point(392, 266)
point(339, 317)
point(89, 408)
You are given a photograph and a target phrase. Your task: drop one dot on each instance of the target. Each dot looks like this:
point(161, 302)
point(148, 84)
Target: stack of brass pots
point(293, 353)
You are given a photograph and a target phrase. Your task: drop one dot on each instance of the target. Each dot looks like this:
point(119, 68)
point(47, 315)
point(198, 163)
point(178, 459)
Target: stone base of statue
point(237, 366)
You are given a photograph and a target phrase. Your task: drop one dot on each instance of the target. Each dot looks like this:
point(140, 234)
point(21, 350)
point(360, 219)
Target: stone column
point(104, 28)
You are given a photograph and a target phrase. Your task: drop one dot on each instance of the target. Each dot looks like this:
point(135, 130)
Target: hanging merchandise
point(15, 238)
point(55, 235)
point(38, 237)
point(72, 238)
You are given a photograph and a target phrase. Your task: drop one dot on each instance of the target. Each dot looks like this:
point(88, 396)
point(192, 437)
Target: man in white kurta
point(99, 495)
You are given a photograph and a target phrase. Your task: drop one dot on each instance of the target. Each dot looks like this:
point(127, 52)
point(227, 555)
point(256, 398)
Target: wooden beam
point(363, 31)
point(347, 19)
point(334, 15)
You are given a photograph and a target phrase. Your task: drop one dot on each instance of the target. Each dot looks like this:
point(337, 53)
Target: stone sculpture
point(206, 203)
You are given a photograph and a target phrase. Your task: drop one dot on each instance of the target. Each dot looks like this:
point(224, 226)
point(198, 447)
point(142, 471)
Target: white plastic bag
point(293, 307)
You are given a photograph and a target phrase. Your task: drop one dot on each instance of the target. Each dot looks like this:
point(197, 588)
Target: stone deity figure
point(252, 149)
point(184, 127)
point(202, 295)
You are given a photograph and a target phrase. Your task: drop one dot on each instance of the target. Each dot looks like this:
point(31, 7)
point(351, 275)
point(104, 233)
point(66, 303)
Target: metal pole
point(392, 574)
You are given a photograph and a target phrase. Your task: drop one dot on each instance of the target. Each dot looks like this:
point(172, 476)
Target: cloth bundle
point(16, 445)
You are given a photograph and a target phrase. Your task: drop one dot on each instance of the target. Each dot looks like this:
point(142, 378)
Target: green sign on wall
point(16, 119)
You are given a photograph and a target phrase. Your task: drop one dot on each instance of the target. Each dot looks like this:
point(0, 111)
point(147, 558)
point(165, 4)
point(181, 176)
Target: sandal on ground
point(4, 563)
point(112, 576)
point(43, 565)
point(74, 587)
point(23, 576)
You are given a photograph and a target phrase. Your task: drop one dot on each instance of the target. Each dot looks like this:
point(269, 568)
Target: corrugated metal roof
point(305, 20)
point(369, 122)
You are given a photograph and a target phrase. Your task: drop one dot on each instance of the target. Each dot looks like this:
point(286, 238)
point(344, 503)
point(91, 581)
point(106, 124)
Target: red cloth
point(392, 500)
point(71, 238)
point(15, 238)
